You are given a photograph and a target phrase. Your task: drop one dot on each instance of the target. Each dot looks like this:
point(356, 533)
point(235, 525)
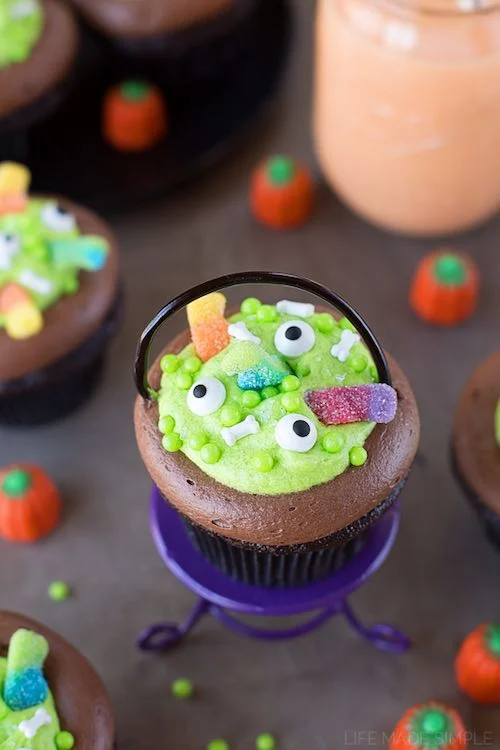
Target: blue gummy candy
point(259, 377)
point(25, 689)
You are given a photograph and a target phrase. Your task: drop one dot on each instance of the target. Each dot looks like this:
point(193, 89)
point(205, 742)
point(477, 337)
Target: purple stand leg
point(164, 636)
point(382, 636)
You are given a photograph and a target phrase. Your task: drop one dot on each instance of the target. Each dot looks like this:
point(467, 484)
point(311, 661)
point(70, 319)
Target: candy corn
point(14, 184)
point(208, 326)
point(22, 317)
point(375, 402)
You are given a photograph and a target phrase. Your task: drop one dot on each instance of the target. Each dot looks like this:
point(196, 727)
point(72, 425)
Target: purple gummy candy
point(375, 402)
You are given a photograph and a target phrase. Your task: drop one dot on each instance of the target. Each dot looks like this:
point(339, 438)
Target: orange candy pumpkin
point(431, 726)
point(477, 665)
point(134, 116)
point(282, 193)
point(30, 505)
point(445, 288)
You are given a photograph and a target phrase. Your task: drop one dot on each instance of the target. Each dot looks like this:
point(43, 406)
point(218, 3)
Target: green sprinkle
point(59, 591)
point(166, 424)
point(250, 305)
point(169, 363)
point(344, 323)
point(324, 322)
point(64, 741)
point(290, 383)
point(192, 364)
point(267, 314)
point(358, 362)
point(263, 462)
point(302, 369)
point(265, 742)
point(269, 392)
point(218, 745)
point(16, 483)
point(358, 455)
point(182, 688)
point(250, 399)
point(291, 402)
point(333, 442)
point(198, 440)
point(280, 170)
point(210, 453)
point(183, 380)
point(172, 443)
point(230, 415)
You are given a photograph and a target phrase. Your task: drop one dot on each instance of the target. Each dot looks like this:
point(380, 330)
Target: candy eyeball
point(206, 396)
point(293, 338)
point(57, 218)
point(10, 245)
point(296, 433)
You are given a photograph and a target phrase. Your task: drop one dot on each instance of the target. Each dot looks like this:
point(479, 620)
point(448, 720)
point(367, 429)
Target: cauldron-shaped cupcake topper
point(253, 277)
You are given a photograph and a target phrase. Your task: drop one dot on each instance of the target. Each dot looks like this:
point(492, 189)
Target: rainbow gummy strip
point(25, 686)
point(208, 325)
point(375, 402)
point(23, 319)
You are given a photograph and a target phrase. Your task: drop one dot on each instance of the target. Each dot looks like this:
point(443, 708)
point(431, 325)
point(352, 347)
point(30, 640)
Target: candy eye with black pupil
point(206, 396)
point(57, 218)
point(294, 338)
point(10, 245)
point(296, 433)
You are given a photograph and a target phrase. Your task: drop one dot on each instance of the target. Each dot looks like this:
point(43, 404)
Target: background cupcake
point(50, 696)
point(38, 46)
point(258, 433)
point(59, 301)
point(476, 443)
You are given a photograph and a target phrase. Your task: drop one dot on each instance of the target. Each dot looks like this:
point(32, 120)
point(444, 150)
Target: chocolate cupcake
point(38, 47)
point(50, 696)
point(280, 434)
point(59, 301)
point(185, 40)
point(476, 444)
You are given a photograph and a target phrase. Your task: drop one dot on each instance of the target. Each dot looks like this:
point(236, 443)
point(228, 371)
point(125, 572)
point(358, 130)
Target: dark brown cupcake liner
point(489, 520)
point(58, 390)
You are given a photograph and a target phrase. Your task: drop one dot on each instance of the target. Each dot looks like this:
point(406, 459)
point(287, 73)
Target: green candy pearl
point(64, 741)
point(324, 322)
point(169, 363)
point(230, 415)
point(250, 399)
point(263, 462)
point(172, 443)
point(358, 455)
point(192, 364)
point(198, 440)
point(302, 370)
point(166, 424)
point(358, 362)
point(250, 305)
point(218, 745)
point(267, 314)
point(59, 591)
point(184, 381)
point(265, 742)
point(344, 323)
point(210, 453)
point(373, 373)
point(269, 392)
point(291, 402)
point(290, 383)
point(182, 688)
point(332, 442)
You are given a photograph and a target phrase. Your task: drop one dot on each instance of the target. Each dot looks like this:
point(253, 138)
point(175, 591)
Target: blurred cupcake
point(270, 433)
point(188, 40)
point(38, 46)
point(50, 696)
point(59, 301)
point(476, 444)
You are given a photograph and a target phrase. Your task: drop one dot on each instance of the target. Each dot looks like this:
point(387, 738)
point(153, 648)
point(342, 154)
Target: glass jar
point(407, 110)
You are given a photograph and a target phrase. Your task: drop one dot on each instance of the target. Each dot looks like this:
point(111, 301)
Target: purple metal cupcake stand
point(223, 597)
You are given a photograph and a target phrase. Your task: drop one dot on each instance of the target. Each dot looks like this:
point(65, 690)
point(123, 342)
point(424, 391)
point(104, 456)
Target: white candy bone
point(347, 341)
point(299, 309)
point(23, 8)
point(29, 727)
point(231, 435)
point(30, 279)
point(240, 331)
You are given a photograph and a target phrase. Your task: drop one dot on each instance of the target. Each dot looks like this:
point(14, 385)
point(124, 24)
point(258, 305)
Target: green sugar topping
point(241, 416)
point(16, 483)
point(28, 714)
point(431, 728)
point(492, 639)
point(450, 270)
point(280, 170)
point(21, 25)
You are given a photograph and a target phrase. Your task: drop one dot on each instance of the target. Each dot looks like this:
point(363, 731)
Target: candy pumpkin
point(281, 193)
point(30, 505)
point(477, 665)
point(134, 116)
point(432, 726)
point(445, 288)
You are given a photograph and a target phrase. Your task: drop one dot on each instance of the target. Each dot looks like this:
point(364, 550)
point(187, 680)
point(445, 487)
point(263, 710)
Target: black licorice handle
point(252, 277)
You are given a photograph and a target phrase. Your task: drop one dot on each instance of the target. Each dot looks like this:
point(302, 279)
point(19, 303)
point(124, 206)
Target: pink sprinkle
point(376, 402)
